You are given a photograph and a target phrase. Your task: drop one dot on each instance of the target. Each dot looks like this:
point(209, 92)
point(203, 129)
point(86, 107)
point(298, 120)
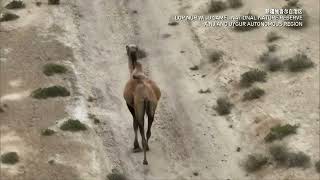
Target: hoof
point(136, 150)
point(148, 149)
point(145, 162)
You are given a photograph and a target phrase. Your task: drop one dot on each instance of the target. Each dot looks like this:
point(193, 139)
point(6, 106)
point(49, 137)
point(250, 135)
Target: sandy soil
point(189, 140)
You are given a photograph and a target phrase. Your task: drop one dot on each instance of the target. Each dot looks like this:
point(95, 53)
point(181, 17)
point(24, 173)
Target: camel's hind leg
point(139, 112)
point(151, 109)
point(136, 147)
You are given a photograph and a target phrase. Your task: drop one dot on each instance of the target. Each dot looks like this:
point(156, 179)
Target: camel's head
point(132, 50)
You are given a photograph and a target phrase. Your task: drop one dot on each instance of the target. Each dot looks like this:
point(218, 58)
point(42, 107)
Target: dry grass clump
point(47, 132)
point(215, 55)
point(250, 23)
point(283, 157)
point(291, 4)
point(54, 2)
point(317, 166)
point(279, 132)
point(52, 68)
point(202, 91)
point(255, 162)
point(299, 63)
point(217, 6)
point(223, 106)
point(116, 175)
point(8, 16)
point(10, 158)
point(272, 62)
point(254, 93)
point(255, 75)
point(194, 68)
point(15, 4)
point(235, 3)
point(50, 92)
point(73, 125)
point(273, 36)
point(94, 118)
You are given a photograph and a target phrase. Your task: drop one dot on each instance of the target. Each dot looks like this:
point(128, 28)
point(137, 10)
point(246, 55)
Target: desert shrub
point(9, 158)
point(249, 77)
point(291, 4)
point(279, 132)
point(173, 23)
point(217, 6)
point(73, 125)
point(235, 3)
point(201, 91)
point(47, 132)
point(15, 4)
point(116, 176)
point(255, 162)
point(299, 62)
point(272, 47)
point(8, 16)
point(51, 69)
point(53, 2)
point(273, 36)
point(250, 23)
point(279, 153)
point(38, 3)
point(223, 106)
point(1, 110)
point(50, 92)
point(254, 93)
point(299, 159)
point(274, 65)
point(94, 118)
point(141, 53)
point(194, 68)
point(317, 166)
point(286, 158)
point(215, 55)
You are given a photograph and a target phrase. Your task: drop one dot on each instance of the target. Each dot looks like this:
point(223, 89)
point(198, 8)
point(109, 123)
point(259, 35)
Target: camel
point(141, 95)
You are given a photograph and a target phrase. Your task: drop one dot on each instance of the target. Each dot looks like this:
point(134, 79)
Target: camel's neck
point(132, 61)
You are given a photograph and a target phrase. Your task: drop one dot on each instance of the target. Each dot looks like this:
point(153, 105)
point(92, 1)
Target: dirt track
point(189, 140)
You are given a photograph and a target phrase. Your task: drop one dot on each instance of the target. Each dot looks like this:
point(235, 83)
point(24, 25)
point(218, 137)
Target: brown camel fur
point(142, 96)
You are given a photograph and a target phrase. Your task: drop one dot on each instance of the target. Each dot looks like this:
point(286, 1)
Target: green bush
point(254, 93)
point(249, 77)
point(255, 162)
point(223, 106)
point(299, 62)
point(217, 6)
point(10, 158)
point(8, 16)
point(73, 125)
point(274, 65)
point(252, 20)
point(47, 132)
point(291, 4)
point(215, 55)
point(15, 4)
point(279, 132)
point(273, 36)
point(50, 92)
point(51, 69)
point(235, 3)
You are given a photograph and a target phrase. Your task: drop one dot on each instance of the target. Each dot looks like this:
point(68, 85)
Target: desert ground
point(190, 139)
